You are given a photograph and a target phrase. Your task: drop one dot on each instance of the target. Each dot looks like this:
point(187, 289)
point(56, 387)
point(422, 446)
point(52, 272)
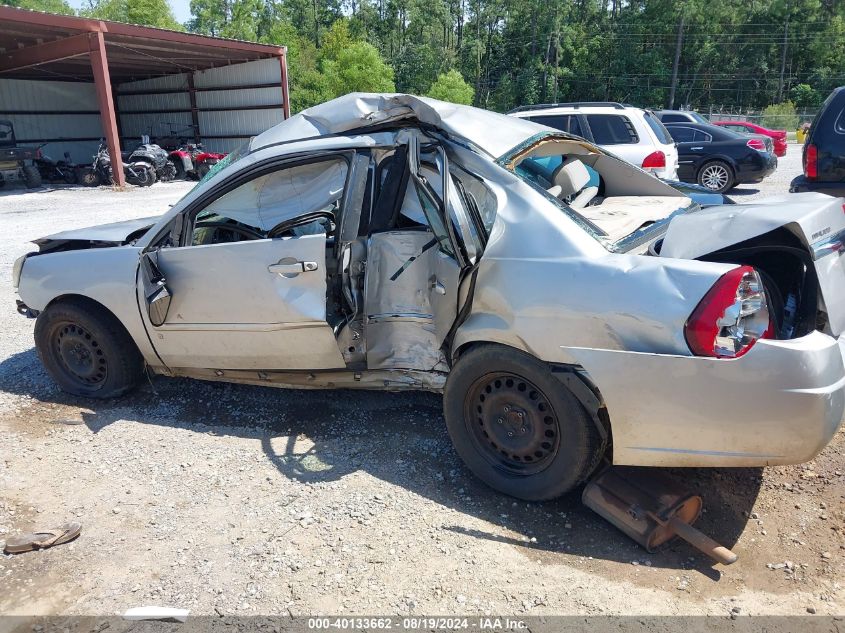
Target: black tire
point(86, 350)
point(31, 176)
point(168, 172)
point(145, 177)
point(204, 167)
point(88, 177)
point(179, 167)
point(516, 426)
point(717, 176)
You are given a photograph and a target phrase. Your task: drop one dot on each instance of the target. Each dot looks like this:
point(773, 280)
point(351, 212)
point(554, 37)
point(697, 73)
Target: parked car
point(744, 127)
point(720, 159)
point(689, 116)
point(631, 133)
point(824, 150)
point(680, 116)
point(16, 162)
point(392, 242)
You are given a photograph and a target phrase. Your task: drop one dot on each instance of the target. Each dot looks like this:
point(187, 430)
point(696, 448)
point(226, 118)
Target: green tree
point(780, 116)
point(804, 96)
point(451, 87)
point(144, 12)
point(358, 68)
point(50, 6)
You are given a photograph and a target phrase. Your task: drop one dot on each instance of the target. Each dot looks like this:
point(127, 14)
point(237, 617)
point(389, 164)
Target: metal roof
point(28, 38)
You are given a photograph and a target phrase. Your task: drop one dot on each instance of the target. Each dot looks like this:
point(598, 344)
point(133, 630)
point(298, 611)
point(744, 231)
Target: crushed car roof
point(358, 110)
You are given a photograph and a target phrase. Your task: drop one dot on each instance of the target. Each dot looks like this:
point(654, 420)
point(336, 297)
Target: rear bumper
point(781, 403)
point(750, 174)
point(800, 184)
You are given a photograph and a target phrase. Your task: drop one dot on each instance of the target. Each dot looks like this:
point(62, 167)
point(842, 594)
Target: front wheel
point(86, 350)
point(516, 426)
point(717, 176)
point(31, 176)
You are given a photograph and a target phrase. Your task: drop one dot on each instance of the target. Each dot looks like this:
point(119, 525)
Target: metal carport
point(39, 46)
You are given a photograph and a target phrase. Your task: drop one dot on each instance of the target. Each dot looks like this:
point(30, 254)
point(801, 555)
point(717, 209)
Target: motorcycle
point(100, 172)
point(55, 170)
point(156, 158)
point(192, 161)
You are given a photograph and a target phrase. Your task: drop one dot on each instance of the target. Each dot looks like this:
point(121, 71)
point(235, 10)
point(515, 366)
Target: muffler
point(650, 508)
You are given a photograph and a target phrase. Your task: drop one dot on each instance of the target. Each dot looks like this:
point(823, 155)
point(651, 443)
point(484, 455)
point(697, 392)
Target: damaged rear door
point(414, 273)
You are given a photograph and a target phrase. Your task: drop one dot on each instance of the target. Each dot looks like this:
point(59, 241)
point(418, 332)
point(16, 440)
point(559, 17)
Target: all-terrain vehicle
point(192, 161)
point(16, 162)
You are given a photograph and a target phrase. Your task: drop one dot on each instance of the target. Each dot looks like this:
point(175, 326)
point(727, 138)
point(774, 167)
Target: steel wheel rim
point(80, 354)
point(511, 423)
point(714, 177)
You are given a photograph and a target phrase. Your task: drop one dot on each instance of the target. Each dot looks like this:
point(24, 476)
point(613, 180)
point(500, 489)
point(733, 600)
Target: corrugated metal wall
point(56, 110)
point(51, 110)
point(223, 125)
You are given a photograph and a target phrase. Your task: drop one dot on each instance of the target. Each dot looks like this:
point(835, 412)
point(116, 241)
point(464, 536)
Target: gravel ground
point(238, 500)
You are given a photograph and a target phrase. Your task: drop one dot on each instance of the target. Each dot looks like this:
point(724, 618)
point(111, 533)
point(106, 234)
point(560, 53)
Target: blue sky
point(181, 8)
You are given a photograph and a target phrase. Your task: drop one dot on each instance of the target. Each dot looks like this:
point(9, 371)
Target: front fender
point(105, 275)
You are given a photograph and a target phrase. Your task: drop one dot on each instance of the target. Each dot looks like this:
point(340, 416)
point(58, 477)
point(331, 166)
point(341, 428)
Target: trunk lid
point(817, 220)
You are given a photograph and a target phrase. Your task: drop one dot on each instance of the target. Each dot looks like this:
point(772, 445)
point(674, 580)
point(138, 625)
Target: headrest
point(572, 177)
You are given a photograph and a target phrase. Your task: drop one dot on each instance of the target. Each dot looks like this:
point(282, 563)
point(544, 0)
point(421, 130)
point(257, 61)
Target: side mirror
point(156, 293)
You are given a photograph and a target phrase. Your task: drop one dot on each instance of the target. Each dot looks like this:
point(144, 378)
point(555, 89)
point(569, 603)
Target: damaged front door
point(247, 285)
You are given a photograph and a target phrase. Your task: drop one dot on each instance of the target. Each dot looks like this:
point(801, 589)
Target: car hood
point(103, 235)
point(365, 110)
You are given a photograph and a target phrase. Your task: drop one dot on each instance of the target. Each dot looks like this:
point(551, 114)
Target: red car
point(778, 136)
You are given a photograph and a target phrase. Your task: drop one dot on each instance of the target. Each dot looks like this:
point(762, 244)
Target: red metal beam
point(72, 23)
point(102, 81)
point(54, 51)
point(195, 118)
point(283, 65)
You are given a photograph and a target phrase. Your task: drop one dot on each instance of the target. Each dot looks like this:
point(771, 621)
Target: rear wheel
point(717, 176)
point(144, 176)
point(86, 350)
point(88, 177)
point(31, 176)
point(516, 426)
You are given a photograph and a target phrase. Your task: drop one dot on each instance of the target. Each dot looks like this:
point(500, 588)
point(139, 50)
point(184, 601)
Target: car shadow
point(322, 436)
point(744, 191)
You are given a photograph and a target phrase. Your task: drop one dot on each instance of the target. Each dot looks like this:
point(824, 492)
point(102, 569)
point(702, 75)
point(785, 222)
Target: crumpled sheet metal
point(399, 324)
point(359, 109)
point(715, 228)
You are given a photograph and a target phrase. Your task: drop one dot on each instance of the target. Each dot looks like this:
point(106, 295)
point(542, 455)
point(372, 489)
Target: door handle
point(696, 148)
point(437, 287)
point(291, 268)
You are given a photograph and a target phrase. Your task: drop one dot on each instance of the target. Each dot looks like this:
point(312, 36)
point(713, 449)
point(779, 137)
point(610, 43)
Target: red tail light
point(655, 160)
point(757, 143)
point(731, 316)
point(811, 159)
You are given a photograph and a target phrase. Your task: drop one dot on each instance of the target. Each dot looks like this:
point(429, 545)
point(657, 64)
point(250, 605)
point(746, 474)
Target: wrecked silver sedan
point(568, 305)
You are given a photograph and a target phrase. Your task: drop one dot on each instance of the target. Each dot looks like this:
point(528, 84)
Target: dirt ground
point(239, 500)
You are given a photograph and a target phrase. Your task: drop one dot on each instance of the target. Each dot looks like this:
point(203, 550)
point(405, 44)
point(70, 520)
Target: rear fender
point(780, 403)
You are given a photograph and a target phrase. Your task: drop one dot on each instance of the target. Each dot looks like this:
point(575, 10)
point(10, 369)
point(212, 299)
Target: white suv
point(633, 134)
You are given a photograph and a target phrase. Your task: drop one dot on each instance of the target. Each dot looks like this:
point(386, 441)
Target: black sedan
point(719, 159)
